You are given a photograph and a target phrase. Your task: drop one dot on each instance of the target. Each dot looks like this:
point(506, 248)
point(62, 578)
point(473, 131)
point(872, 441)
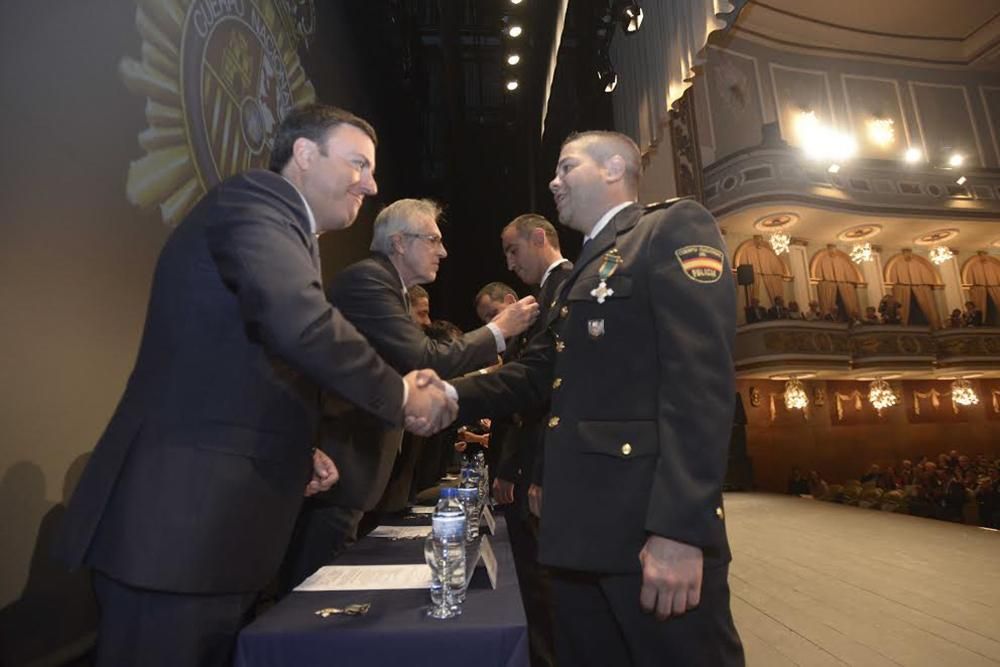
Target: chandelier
point(779, 242)
point(941, 254)
point(962, 393)
point(861, 252)
point(795, 395)
point(881, 395)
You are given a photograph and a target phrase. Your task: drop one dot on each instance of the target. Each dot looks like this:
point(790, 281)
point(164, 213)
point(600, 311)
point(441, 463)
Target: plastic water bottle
point(468, 494)
point(479, 462)
point(444, 552)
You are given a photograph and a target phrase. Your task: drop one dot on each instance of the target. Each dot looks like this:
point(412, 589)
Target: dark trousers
point(322, 532)
point(532, 579)
point(154, 628)
point(598, 622)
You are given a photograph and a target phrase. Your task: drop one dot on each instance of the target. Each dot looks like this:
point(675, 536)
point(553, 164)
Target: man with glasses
point(189, 499)
point(407, 250)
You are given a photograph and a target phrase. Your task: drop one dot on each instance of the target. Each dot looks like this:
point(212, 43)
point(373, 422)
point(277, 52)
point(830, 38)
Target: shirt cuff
point(501, 343)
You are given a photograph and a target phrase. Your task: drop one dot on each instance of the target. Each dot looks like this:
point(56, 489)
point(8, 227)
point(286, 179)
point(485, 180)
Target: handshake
point(428, 407)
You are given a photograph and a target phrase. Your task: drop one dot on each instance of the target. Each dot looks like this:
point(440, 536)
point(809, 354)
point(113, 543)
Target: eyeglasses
point(433, 239)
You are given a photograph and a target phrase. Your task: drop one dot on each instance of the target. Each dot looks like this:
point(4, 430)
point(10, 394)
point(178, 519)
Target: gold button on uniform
point(553, 422)
point(626, 449)
point(560, 346)
point(557, 383)
point(719, 513)
point(564, 311)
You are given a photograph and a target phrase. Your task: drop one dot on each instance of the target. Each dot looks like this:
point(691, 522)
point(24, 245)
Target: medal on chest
point(609, 264)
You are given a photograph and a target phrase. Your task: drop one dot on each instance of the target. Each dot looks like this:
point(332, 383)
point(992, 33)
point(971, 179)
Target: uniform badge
point(700, 263)
point(595, 328)
point(609, 264)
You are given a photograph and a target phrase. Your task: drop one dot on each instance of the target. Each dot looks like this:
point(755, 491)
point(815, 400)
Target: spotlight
point(515, 31)
point(512, 85)
point(881, 132)
point(606, 73)
point(515, 2)
point(630, 16)
point(834, 168)
point(513, 59)
point(956, 160)
point(913, 155)
point(961, 180)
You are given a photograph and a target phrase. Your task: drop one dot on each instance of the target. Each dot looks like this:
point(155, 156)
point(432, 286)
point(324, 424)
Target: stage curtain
point(902, 294)
point(658, 63)
point(768, 269)
point(827, 292)
point(918, 277)
point(983, 273)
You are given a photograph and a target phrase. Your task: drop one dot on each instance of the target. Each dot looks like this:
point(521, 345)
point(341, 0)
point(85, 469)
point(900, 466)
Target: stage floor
point(814, 583)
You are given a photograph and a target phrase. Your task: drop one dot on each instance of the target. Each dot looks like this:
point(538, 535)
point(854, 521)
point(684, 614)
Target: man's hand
point(466, 435)
point(517, 317)
point(325, 473)
point(503, 491)
point(671, 577)
point(428, 408)
point(535, 500)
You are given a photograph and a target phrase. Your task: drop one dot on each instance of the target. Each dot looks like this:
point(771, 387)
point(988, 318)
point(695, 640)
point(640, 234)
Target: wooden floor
point(814, 583)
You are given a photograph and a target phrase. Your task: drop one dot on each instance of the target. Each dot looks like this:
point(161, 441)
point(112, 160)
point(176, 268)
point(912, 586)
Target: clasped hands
point(428, 407)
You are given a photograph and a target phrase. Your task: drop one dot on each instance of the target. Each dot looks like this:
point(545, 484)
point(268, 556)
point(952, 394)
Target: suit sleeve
point(264, 257)
point(374, 305)
point(695, 327)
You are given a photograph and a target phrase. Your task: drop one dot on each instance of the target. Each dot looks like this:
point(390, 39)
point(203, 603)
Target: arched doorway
point(913, 280)
point(769, 270)
point(837, 280)
point(981, 275)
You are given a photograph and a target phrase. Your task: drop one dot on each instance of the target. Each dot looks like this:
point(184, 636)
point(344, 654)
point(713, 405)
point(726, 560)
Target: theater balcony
point(834, 350)
point(775, 172)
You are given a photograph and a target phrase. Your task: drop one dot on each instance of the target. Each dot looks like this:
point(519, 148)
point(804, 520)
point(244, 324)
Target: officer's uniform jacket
point(641, 380)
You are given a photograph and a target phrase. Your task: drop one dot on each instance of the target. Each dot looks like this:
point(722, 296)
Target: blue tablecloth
point(396, 631)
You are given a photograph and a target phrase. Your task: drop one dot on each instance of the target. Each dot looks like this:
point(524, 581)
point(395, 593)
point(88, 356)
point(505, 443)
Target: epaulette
point(665, 204)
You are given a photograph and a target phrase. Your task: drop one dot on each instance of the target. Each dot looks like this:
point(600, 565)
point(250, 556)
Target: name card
point(489, 559)
point(491, 522)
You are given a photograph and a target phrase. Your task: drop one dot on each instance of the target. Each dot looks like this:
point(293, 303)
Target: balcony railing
point(778, 346)
point(769, 173)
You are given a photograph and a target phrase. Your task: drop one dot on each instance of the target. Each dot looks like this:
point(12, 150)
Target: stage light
point(512, 85)
point(516, 2)
point(515, 31)
point(913, 155)
point(961, 180)
point(834, 168)
point(606, 73)
point(513, 59)
point(881, 132)
point(631, 16)
point(956, 160)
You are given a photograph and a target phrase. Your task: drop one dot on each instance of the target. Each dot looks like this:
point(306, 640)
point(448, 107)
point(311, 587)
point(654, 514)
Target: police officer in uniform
point(636, 360)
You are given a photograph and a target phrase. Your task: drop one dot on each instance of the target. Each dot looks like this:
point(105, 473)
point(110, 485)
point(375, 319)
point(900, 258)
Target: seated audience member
point(972, 317)
point(874, 472)
point(793, 311)
point(797, 483)
point(814, 314)
point(956, 320)
point(988, 499)
point(833, 314)
point(871, 316)
point(755, 312)
point(778, 311)
point(906, 472)
point(888, 308)
point(817, 487)
point(889, 480)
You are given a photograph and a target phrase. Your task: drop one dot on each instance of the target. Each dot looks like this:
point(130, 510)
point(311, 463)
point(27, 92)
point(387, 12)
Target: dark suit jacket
point(642, 390)
point(195, 484)
point(520, 448)
point(370, 294)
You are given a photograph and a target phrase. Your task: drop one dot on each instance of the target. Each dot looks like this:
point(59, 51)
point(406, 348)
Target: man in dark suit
point(531, 248)
point(189, 499)
point(407, 249)
point(637, 363)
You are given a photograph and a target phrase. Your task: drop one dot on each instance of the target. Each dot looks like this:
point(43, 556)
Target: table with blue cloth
point(396, 630)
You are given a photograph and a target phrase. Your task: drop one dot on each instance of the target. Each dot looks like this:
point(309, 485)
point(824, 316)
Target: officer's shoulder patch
point(663, 205)
point(701, 263)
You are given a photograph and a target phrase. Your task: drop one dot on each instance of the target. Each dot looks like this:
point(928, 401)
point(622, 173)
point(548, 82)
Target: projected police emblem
point(218, 77)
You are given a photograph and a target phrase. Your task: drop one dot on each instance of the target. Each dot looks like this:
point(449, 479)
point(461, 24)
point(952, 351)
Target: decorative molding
point(899, 101)
point(968, 110)
point(989, 118)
